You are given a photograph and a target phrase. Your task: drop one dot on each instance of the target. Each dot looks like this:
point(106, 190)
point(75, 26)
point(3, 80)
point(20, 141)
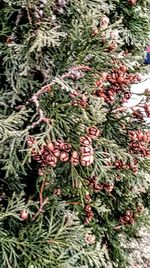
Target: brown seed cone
point(95, 32)
point(108, 187)
point(86, 160)
point(138, 114)
point(74, 94)
point(50, 160)
point(89, 217)
point(90, 238)
point(57, 192)
point(36, 156)
point(123, 68)
point(112, 45)
point(87, 197)
point(86, 150)
point(127, 218)
point(64, 156)
point(93, 132)
point(83, 103)
point(104, 21)
point(50, 146)
point(56, 152)
point(31, 140)
point(140, 135)
point(120, 79)
point(88, 208)
point(104, 76)
point(87, 220)
point(97, 187)
point(139, 77)
point(74, 158)
point(58, 143)
point(66, 147)
point(85, 140)
point(24, 215)
point(132, 2)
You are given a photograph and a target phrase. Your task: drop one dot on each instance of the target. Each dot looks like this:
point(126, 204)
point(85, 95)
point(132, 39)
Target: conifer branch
point(73, 73)
point(39, 112)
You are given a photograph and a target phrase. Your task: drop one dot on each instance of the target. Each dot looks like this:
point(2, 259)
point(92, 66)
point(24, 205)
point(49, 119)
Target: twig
point(41, 192)
point(29, 17)
point(19, 16)
point(73, 203)
point(142, 81)
point(40, 112)
point(137, 105)
point(118, 227)
point(43, 90)
point(42, 202)
point(40, 210)
point(35, 97)
point(81, 68)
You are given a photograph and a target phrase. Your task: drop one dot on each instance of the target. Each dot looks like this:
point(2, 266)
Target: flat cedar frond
point(46, 38)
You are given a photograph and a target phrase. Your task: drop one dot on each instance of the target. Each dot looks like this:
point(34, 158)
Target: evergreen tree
point(74, 160)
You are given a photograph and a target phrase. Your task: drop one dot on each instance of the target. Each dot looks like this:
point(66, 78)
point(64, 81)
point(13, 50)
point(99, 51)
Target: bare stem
point(42, 202)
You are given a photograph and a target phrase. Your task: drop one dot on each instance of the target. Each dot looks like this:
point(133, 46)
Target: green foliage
point(41, 49)
point(57, 240)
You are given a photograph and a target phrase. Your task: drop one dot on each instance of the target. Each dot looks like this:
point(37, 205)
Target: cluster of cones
point(86, 155)
point(96, 187)
point(132, 166)
point(142, 111)
point(79, 99)
point(127, 218)
point(109, 37)
point(89, 214)
point(119, 164)
point(114, 83)
point(140, 142)
point(49, 153)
